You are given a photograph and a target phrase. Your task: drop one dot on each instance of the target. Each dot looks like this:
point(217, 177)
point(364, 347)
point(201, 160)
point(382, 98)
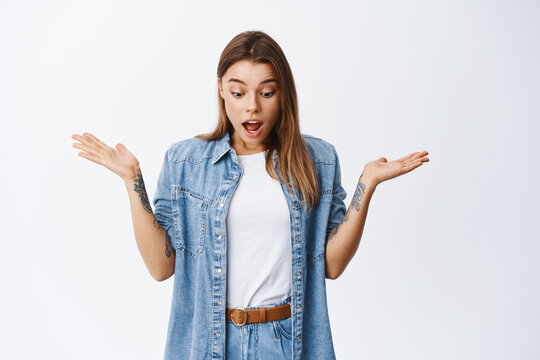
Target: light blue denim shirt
point(195, 186)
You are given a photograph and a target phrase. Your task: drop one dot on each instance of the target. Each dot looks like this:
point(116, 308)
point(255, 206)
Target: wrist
point(369, 182)
point(132, 176)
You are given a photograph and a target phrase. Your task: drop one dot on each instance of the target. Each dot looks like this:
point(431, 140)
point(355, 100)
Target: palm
point(119, 160)
point(381, 170)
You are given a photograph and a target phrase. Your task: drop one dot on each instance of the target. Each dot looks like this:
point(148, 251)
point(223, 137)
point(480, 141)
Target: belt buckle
point(245, 312)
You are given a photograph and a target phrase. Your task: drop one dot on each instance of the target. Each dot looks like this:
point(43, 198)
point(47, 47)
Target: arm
point(152, 240)
point(344, 238)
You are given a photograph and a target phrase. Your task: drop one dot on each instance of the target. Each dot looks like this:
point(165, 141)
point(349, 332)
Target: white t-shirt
point(259, 259)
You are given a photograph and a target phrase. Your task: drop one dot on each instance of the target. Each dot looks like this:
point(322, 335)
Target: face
point(250, 91)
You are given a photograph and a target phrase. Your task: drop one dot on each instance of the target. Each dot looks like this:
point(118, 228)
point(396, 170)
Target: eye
point(269, 94)
point(234, 93)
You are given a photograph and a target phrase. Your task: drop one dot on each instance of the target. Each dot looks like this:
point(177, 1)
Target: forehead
point(249, 71)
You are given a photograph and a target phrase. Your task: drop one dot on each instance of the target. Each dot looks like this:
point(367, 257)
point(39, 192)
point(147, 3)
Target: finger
point(89, 149)
point(96, 140)
point(407, 157)
point(82, 139)
point(408, 160)
point(414, 155)
point(120, 147)
point(85, 141)
point(420, 154)
point(90, 157)
point(410, 167)
point(421, 160)
point(417, 164)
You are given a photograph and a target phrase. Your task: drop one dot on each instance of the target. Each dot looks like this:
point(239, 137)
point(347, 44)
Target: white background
point(447, 267)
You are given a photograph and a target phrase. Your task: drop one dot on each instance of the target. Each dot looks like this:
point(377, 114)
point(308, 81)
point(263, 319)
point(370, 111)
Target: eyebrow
point(262, 82)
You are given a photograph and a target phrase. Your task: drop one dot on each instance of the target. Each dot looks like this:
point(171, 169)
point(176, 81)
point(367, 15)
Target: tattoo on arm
point(354, 202)
point(168, 245)
point(335, 230)
point(358, 194)
point(140, 189)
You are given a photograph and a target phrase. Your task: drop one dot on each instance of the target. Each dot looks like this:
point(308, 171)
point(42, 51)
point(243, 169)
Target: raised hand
point(381, 170)
point(119, 160)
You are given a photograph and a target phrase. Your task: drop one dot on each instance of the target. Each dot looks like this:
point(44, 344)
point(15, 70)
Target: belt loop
point(262, 314)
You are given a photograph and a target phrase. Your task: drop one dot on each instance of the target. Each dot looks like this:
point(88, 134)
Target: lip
point(257, 133)
point(252, 120)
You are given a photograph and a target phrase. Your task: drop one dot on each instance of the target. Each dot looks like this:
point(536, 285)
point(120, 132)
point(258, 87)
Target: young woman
point(250, 218)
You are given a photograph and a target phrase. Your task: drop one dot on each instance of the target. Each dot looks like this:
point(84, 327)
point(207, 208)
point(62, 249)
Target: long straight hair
point(296, 166)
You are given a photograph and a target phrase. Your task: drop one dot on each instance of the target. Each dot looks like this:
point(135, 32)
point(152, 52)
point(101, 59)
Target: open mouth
point(252, 126)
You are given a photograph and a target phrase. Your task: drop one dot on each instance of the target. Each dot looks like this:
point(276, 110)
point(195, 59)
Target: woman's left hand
point(381, 170)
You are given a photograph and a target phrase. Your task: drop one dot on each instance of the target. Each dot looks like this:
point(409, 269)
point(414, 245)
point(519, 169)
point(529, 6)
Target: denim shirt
point(195, 186)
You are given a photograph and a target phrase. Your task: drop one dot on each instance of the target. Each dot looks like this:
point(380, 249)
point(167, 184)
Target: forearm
point(152, 240)
point(344, 239)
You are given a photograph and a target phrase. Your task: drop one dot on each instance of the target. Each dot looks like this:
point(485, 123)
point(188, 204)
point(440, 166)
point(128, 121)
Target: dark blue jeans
point(270, 340)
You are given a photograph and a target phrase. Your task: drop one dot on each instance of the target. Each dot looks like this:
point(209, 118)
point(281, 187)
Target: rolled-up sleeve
point(163, 198)
point(338, 208)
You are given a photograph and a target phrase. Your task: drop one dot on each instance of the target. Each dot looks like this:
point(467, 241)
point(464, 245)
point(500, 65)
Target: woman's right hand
point(120, 161)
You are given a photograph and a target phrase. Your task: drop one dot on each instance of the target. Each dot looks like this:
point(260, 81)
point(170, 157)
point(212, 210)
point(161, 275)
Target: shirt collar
point(222, 147)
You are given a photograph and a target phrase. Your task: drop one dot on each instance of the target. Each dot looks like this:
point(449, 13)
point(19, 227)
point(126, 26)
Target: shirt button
point(219, 302)
point(298, 338)
point(234, 177)
point(298, 306)
point(218, 334)
point(219, 237)
point(221, 205)
point(298, 238)
point(218, 270)
point(298, 273)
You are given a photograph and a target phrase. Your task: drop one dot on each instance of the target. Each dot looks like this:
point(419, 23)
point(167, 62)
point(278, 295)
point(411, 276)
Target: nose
point(253, 106)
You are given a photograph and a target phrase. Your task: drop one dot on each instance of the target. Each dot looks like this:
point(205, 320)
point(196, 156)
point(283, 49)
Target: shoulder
point(320, 150)
point(191, 149)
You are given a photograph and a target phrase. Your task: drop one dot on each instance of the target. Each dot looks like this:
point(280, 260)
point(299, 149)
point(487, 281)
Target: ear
point(220, 87)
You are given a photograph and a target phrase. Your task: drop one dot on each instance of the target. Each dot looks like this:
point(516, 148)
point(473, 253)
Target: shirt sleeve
point(338, 208)
point(163, 199)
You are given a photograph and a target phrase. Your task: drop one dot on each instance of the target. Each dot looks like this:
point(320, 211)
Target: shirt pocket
point(190, 214)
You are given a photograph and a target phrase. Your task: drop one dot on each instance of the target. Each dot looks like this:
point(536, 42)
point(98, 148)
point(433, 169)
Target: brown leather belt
point(261, 314)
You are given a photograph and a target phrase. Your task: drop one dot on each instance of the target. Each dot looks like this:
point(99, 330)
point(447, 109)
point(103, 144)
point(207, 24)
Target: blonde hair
point(296, 166)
